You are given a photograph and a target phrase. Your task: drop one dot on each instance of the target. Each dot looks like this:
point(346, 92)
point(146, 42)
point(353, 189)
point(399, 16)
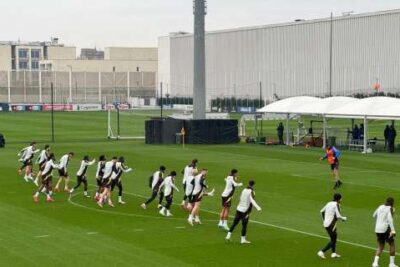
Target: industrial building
point(339, 55)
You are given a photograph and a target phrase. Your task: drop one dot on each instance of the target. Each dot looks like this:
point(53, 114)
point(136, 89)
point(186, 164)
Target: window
point(23, 65)
point(23, 53)
point(35, 65)
point(35, 53)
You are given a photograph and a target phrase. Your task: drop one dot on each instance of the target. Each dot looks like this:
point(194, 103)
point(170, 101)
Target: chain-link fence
point(75, 87)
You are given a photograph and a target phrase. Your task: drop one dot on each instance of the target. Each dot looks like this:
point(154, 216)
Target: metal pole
point(115, 97)
point(324, 133)
point(259, 104)
point(365, 134)
point(40, 86)
point(161, 99)
point(52, 111)
point(199, 74)
point(117, 122)
point(330, 55)
point(100, 87)
point(287, 129)
point(9, 86)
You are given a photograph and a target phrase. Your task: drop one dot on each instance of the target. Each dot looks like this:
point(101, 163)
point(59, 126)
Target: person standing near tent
point(280, 130)
point(333, 154)
point(386, 135)
point(392, 138)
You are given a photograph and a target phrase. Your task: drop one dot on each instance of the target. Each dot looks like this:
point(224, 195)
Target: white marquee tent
point(379, 107)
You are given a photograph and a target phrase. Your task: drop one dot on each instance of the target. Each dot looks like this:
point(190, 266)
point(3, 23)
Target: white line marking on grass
point(138, 230)
point(180, 227)
point(42, 236)
point(217, 213)
point(91, 233)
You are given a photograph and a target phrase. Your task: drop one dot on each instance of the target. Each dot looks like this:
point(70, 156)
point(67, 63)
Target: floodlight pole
point(161, 99)
point(199, 74)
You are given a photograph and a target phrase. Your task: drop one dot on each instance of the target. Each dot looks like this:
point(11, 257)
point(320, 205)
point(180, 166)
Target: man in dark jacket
point(392, 138)
point(386, 135)
point(280, 130)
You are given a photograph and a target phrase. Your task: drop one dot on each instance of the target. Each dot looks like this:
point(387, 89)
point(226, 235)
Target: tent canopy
point(378, 107)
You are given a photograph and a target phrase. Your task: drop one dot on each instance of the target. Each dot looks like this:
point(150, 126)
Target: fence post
point(127, 85)
point(40, 86)
point(9, 86)
point(70, 85)
point(100, 87)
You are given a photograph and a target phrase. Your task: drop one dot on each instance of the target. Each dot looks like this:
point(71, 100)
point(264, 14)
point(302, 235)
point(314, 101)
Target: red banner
point(57, 107)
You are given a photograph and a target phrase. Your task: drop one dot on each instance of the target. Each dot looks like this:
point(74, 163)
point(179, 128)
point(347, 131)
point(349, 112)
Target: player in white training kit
point(155, 181)
point(46, 180)
point(106, 183)
point(227, 195)
point(168, 185)
point(187, 171)
point(63, 171)
point(243, 210)
point(189, 190)
point(99, 174)
point(26, 155)
point(116, 179)
point(199, 191)
point(385, 232)
point(81, 175)
point(330, 215)
point(41, 161)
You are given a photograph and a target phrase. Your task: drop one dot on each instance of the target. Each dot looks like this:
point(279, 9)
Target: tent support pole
point(287, 129)
point(365, 134)
point(324, 133)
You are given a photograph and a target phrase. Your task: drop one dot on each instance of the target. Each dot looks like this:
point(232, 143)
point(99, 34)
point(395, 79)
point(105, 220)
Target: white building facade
point(290, 59)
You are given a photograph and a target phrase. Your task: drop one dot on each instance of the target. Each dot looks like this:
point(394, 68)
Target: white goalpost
point(121, 125)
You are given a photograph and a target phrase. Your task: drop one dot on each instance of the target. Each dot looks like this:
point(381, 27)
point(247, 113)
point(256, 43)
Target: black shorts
point(98, 181)
point(106, 182)
point(62, 172)
point(242, 215)
point(26, 163)
point(335, 165)
point(197, 198)
point(226, 202)
point(46, 179)
point(81, 178)
point(385, 237)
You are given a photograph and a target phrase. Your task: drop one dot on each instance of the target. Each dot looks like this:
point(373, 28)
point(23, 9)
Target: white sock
point(30, 177)
point(190, 217)
point(183, 202)
point(50, 193)
point(48, 196)
point(84, 193)
point(225, 222)
point(228, 236)
point(243, 238)
point(119, 198)
point(71, 191)
point(391, 259)
point(97, 194)
point(221, 222)
point(43, 190)
point(37, 194)
point(376, 260)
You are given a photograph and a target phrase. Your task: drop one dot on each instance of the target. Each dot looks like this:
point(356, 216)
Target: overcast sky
point(102, 23)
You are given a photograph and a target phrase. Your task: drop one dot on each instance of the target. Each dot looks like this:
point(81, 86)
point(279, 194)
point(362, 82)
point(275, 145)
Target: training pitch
point(292, 185)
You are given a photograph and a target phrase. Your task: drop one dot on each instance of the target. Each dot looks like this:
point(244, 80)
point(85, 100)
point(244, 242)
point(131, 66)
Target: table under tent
point(367, 110)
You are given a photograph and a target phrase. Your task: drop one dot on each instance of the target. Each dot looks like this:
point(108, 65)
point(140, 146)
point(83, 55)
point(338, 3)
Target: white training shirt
point(48, 168)
point(42, 157)
point(108, 169)
point(100, 166)
point(168, 185)
point(230, 185)
point(199, 184)
point(189, 185)
point(28, 153)
point(246, 200)
point(64, 162)
point(84, 165)
point(119, 168)
point(332, 213)
point(186, 173)
point(384, 219)
point(156, 177)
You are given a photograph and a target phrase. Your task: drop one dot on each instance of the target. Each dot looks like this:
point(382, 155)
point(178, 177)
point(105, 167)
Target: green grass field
point(292, 185)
